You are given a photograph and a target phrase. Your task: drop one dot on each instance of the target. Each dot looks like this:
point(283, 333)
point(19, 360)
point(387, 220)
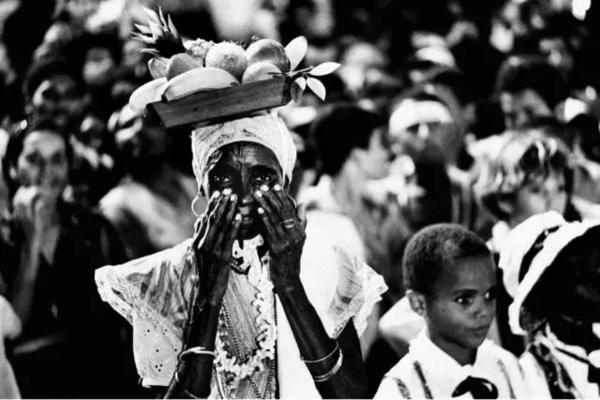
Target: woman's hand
point(34, 208)
point(285, 226)
point(219, 229)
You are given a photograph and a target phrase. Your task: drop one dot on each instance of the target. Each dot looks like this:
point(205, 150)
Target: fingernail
point(277, 187)
point(258, 193)
point(238, 217)
point(260, 210)
point(264, 188)
point(233, 197)
point(216, 194)
point(227, 192)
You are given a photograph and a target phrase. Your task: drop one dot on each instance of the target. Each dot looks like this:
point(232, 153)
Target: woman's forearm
point(315, 344)
point(23, 289)
point(194, 372)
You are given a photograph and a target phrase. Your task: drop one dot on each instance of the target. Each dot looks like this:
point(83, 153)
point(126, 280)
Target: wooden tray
point(223, 103)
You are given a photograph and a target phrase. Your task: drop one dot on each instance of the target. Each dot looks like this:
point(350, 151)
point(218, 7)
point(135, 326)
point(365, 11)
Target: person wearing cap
point(551, 270)
point(251, 306)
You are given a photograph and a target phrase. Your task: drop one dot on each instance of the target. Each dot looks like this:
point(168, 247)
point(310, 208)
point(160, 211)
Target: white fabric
point(10, 328)
point(411, 112)
point(553, 244)
point(518, 242)
point(324, 216)
point(153, 294)
point(443, 374)
point(266, 129)
point(577, 370)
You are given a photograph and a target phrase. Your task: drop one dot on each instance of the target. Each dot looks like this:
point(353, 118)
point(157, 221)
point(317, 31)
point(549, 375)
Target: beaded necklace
point(227, 359)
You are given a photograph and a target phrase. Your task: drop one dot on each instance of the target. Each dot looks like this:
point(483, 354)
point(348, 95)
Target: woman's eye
point(263, 178)
point(221, 179)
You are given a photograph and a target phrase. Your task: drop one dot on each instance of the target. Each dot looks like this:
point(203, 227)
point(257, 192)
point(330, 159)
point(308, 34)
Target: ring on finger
point(288, 223)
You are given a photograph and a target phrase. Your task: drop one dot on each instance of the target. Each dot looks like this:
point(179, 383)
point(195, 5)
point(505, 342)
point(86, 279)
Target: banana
point(147, 93)
point(197, 79)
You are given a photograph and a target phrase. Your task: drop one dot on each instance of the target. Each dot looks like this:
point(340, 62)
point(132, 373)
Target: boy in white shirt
point(451, 281)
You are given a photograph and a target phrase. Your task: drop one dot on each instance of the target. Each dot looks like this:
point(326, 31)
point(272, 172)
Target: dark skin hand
point(214, 241)
point(247, 170)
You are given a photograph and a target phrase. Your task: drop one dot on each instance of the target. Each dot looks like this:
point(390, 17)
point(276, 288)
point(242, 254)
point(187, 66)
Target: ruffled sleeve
point(152, 294)
point(339, 284)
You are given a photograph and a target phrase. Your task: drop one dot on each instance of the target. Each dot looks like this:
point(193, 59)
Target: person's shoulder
point(173, 257)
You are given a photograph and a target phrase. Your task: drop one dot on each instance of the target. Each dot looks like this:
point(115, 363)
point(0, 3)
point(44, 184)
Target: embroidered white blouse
point(428, 372)
point(154, 292)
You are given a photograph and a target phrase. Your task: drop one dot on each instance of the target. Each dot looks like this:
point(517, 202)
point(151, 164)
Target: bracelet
point(191, 395)
point(198, 350)
point(336, 348)
point(326, 376)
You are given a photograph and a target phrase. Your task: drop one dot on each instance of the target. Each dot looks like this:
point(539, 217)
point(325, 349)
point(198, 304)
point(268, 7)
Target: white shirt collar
point(441, 370)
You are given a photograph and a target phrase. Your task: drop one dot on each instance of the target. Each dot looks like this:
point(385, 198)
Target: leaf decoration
point(172, 26)
point(316, 87)
point(296, 50)
point(297, 89)
point(144, 29)
point(152, 15)
point(155, 29)
point(325, 68)
point(163, 21)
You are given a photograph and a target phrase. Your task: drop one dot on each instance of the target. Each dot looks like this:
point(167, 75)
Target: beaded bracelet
point(197, 350)
point(326, 376)
point(336, 348)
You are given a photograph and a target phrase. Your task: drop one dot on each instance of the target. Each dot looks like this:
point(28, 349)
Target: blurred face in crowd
point(462, 306)
point(99, 67)
point(143, 143)
point(374, 161)
point(43, 162)
point(59, 98)
point(522, 107)
point(539, 196)
point(244, 168)
point(421, 129)
point(557, 53)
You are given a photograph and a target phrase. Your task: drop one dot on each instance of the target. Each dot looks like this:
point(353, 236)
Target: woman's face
point(58, 98)
point(43, 162)
point(539, 196)
point(244, 168)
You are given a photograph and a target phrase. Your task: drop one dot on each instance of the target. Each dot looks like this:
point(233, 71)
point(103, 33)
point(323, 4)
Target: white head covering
point(266, 129)
point(522, 238)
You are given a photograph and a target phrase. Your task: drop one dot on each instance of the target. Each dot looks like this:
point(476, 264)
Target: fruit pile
point(180, 69)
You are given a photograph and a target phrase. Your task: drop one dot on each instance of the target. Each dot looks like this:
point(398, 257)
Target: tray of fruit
point(201, 81)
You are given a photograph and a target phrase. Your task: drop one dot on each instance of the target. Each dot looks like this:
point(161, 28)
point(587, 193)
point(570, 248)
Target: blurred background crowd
point(477, 112)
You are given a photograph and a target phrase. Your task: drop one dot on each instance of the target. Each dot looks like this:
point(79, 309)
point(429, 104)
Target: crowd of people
point(444, 197)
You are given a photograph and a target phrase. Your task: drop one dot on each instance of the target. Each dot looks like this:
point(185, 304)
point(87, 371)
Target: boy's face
point(461, 306)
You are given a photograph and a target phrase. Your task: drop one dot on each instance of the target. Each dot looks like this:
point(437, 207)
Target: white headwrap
point(267, 129)
point(518, 244)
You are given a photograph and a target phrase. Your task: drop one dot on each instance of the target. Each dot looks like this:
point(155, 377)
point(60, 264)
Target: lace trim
point(359, 289)
point(124, 298)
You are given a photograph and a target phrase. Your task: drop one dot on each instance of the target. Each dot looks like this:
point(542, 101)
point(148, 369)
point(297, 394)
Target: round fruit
point(260, 71)
point(227, 56)
point(180, 63)
point(268, 50)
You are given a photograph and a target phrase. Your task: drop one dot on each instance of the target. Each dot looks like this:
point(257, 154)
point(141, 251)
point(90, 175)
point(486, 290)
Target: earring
point(195, 207)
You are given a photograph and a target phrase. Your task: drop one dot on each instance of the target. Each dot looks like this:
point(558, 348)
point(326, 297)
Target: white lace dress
point(257, 355)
